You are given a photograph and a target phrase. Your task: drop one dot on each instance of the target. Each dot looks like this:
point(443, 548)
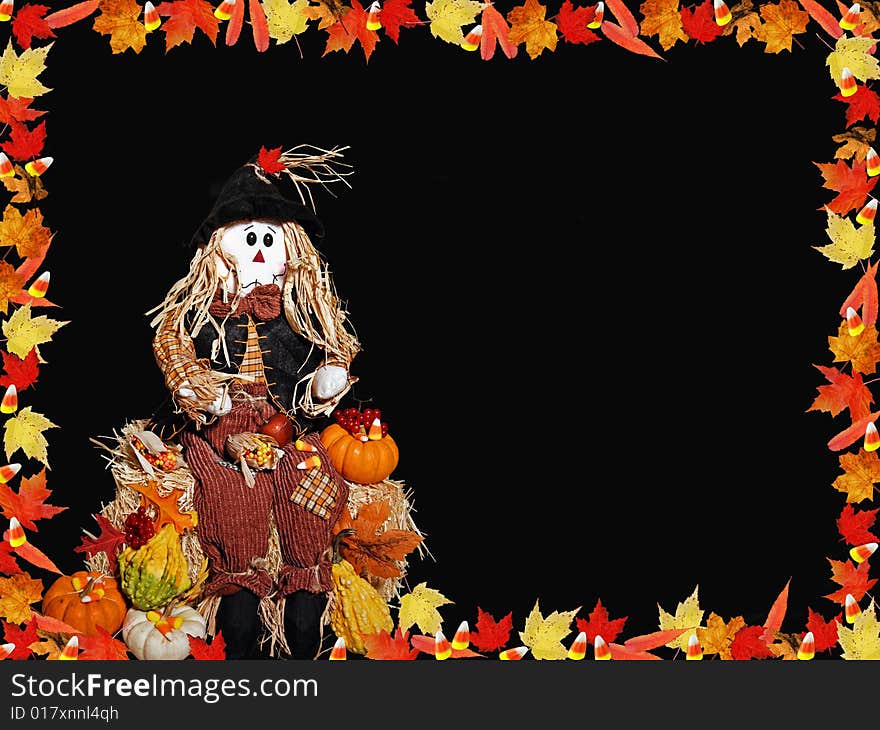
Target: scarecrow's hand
point(329, 380)
point(220, 406)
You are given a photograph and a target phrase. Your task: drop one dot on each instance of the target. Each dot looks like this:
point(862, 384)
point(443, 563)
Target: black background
point(584, 285)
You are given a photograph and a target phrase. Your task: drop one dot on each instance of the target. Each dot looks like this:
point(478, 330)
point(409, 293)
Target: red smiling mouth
point(258, 259)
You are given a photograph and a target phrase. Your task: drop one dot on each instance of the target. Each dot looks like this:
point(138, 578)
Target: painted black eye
point(251, 238)
point(268, 240)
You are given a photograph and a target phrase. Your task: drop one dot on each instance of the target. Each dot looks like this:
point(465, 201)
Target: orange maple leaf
point(102, 646)
point(850, 183)
point(29, 504)
point(389, 646)
point(528, 24)
point(11, 283)
point(351, 27)
point(663, 19)
point(373, 549)
point(26, 187)
point(851, 579)
point(26, 232)
point(863, 350)
point(120, 19)
point(781, 23)
point(324, 14)
point(167, 507)
point(845, 391)
point(860, 472)
point(184, 16)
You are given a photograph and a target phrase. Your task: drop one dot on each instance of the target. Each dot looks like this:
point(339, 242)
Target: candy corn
point(462, 638)
point(38, 167)
point(338, 652)
point(442, 650)
point(301, 445)
point(872, 438)
point(471, 41)
point(597, 16)
point(40, 286)
point(851, 608)
point(151, 17)
point(867, 214)
point(861, 553)
point(6, 10)
point(224, 10)
point(854, 322)
point(5, 166)
point(848, 85)
point(807, 649)
point(71, 649)
point(373, 16)
point(722, 12)
point(8, 471)
point(17, 538)
point(850, 18)
point(375, 432)
point(694, 650)
point(513, 654)
point(312, 462)
point(873, 160)
point(578, 649)
point(9, 404)
point(6, 650)
point(601, 650)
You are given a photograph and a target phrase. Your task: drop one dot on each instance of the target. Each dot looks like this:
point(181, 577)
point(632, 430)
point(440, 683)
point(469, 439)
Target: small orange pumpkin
point(86, 601)
point(364, 462)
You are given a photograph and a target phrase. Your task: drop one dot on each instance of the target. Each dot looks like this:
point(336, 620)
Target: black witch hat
point(275, 186)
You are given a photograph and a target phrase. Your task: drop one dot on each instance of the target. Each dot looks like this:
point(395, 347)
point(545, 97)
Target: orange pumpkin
point(364, 462)
point(86, 601)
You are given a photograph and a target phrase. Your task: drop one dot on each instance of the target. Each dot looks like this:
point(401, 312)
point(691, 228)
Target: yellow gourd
point(358, 609)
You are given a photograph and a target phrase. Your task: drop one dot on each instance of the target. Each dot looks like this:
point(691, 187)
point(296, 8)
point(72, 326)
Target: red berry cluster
point(353, 420)
point(139, 528)
point(166, 461)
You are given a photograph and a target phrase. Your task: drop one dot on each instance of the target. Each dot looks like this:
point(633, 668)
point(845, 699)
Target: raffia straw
point(307, 165)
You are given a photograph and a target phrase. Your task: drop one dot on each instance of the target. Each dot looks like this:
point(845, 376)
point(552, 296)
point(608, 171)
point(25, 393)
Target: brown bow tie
point(263, 302)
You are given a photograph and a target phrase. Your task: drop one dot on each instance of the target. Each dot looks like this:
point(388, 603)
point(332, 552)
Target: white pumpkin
point(151, 635)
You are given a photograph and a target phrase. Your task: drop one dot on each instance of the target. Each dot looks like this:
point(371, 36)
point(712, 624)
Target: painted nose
point(258, 259)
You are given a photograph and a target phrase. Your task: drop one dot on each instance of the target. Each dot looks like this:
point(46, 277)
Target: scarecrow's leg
point(238, 621)
point(302, 623)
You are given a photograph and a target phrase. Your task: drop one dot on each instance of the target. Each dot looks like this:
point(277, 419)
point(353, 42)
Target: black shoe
point(302, 623)
point(239, 621)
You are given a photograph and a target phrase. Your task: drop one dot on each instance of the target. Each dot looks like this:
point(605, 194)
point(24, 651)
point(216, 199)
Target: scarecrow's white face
point(257, 247)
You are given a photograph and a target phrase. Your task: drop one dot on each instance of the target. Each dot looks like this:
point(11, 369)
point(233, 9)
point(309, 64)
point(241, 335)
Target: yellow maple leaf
point(529, 25)
point(16, 596)
point(11, 283)
point(860, 472)
point(544, 636)
point(854, 143)
point(419, 607)
point(862, 641)
point(854, 54)
point(718, 635)
point(25, 432)
point(19, 73)
point(863, 351)
point(663, 19)
point(24, 332)
point(849, 244)
point(286, 19)
point(26, 187)
point(26, 232)
point(120, 19)
point(781, 23)
point(688, 615)
point(745, 22)
point(447, 17)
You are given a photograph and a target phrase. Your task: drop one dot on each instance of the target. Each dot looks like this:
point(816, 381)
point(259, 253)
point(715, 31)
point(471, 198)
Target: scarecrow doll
point(254, 346)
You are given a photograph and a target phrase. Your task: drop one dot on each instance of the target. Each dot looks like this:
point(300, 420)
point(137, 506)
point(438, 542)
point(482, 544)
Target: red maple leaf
point(496, 31)
point(572, 23)
point(851, 579)
point(597, 624)
point(184, 16)
point(397, 14)
point(15, 109)
point(23, 143)
point(864, 103)
point(268, 160)
point(203, 651)
point(349, 28)
point(864, 295)
point(491, 635)
point(29, 503)
point(845, 391)
point(824, 632)
point(855, 527)
point(109, 541)
point(389, 646)
point(101, 646)
point(700, 24)
point(20, 373)
point(7, 559)
point(22, 638)
point(850, 183)
point(748, 644)
point(426, 645)
point(29, 23)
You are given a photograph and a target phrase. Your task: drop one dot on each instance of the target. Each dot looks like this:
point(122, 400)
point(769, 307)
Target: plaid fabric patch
point(176, 356)
point(252, 361)
point(316, 492)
